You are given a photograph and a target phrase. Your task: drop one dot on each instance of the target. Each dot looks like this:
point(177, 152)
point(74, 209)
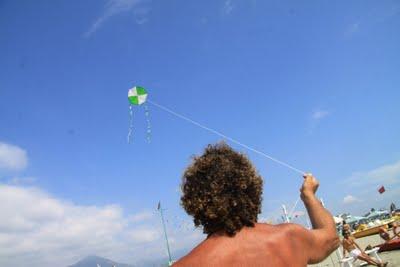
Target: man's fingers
point(307, 174)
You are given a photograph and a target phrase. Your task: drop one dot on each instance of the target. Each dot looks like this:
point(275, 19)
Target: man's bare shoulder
point(273, 232)
point(277, 227)
point(290, 229)
point(298, 235)
point(262, 236)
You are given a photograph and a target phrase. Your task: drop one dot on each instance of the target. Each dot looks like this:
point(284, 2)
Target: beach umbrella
point(376, 214)
point(354, 219)
point(337, 219)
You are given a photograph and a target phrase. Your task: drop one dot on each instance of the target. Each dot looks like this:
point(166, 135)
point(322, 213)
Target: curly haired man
point(223, 192)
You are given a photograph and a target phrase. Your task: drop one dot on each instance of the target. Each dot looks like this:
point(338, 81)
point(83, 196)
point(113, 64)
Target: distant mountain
point(157, 261)
point(92, 261)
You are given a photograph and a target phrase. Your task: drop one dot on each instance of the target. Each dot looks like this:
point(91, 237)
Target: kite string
point(147, 115)
point(225, 136)
point(294, 207)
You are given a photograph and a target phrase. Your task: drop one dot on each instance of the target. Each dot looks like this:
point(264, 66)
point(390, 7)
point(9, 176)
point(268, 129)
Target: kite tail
point(148, 131)
point(130, 124)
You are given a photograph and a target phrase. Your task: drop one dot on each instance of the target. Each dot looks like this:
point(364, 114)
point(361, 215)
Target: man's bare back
point(272, 245)
point(262, 245)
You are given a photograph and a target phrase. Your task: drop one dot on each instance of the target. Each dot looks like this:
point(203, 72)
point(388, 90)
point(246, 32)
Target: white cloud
point(42, 230)
point(385, 175)
point(349, 199)
point(144, 235)
point(353, 28)
point(316, 117)
point(320, 114)
point(115, 7)
point(21, 180)
point(12, 157)
point(141, 15)
point(142, 216)
point(38, 228)
point(228, 6)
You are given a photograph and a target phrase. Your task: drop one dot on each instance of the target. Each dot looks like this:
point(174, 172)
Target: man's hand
point(309, 187)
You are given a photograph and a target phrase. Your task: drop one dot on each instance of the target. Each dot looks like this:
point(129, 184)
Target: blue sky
point(314, 84)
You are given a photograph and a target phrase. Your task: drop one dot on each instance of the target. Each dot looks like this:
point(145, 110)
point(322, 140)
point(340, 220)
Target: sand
point(393, 257)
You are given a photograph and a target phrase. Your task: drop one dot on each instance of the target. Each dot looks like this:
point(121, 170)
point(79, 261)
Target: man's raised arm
point(323, 238)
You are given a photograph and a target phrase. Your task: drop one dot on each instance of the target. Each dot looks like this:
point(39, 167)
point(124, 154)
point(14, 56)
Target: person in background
point(222, 191)
point(346, 226)
point(395, 229)
point(354, 250)
point(392, 208)
point(384, 234)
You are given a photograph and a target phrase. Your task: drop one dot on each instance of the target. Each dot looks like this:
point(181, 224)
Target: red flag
point(381, 190)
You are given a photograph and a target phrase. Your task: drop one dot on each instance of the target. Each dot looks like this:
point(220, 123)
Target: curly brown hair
point(222, 190)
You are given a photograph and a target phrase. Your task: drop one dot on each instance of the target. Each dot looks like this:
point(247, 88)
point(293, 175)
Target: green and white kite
point(137, 96)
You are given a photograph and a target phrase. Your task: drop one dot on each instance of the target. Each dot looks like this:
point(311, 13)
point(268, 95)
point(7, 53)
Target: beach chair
point(348, 261)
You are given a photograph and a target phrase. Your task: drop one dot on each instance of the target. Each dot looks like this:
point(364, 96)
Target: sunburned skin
point(262, 245)
point(396, 230)
point(271, 245)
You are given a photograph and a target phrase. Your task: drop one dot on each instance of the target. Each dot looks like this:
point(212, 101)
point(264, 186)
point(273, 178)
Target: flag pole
point(165, 233)
point(287, 220)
